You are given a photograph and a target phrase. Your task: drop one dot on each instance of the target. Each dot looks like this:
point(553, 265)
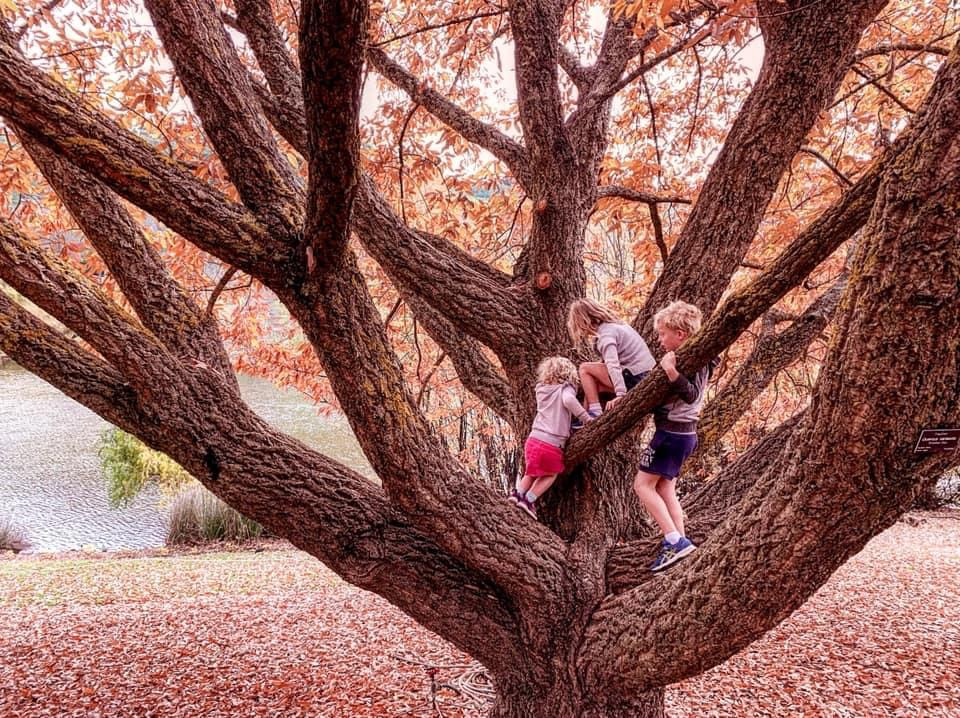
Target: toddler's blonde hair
point(679, 316)
point(557, 370)
point(583, 318)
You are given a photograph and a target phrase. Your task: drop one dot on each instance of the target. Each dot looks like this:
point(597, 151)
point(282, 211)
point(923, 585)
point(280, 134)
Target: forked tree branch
point(61, 291)
point(132, 168)
point(475, 372)
point(159, 301)
point(419, 475)
point(221, 93)
point(809, 249)
point(808, 51)
point(904, 278)
point(66, 365)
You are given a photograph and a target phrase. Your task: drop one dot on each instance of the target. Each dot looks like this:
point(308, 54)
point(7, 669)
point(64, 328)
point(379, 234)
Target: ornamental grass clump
point(197, 516)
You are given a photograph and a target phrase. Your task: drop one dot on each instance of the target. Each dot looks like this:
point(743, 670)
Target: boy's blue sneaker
point(671, 553)
point(514, 497)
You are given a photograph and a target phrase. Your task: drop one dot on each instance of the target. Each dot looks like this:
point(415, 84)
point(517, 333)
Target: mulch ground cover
point(274, 633)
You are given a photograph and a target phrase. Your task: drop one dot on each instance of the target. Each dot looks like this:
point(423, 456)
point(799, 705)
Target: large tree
point(563, 613)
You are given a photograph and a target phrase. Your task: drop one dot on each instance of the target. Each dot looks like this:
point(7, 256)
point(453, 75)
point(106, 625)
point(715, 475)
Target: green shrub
point(12, 537)
point(129, 465)
point(197, 516)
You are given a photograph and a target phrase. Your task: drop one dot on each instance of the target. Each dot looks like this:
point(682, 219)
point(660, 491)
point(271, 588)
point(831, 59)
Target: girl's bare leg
point(542, 483)
point(594, 378)
point(525, 483)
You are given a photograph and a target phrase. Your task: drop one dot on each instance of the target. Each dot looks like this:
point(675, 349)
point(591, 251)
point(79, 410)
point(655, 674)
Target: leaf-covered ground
point(274, 633)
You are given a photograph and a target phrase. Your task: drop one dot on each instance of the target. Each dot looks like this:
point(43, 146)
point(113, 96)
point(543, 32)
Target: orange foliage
point(107, 50)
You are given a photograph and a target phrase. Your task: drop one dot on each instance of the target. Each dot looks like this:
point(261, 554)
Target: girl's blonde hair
point(583, 318)
point(557, 370)
point(679, 316)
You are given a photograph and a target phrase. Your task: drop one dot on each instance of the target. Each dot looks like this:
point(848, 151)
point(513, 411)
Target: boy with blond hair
point(675, 437)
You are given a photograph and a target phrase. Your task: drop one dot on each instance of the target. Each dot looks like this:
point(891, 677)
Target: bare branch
point(439, 25)
point(489, 138)
point(601, 94)
point(889, 48)
point(475, 372)
point(658, 231)
point(616, 190)
point(870, 79)
point(829, 165)
point(217, 290)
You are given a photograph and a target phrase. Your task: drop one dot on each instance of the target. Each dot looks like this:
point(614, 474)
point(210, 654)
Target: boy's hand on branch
point(613, 401)
point(669, 365)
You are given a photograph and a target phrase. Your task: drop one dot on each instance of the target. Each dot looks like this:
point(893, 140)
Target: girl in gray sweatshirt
point(543, 450)
point(626, 356)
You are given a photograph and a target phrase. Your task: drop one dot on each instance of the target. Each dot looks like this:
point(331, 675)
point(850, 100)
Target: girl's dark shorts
point(667, 452)
point(630, 379)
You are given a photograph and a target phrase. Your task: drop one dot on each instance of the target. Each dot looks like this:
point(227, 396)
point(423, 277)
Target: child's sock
point(531, 497)
point(673, 536)
point(595, 409)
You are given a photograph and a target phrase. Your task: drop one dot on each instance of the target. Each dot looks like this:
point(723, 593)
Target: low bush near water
point(129, 465)
point(12, 536)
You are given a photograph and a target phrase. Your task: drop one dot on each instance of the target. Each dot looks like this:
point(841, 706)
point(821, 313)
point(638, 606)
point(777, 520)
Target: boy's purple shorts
point(542, 459)
point(667, 452)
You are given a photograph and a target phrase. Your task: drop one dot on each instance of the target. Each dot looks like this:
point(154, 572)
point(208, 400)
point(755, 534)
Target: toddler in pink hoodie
point(557, 382)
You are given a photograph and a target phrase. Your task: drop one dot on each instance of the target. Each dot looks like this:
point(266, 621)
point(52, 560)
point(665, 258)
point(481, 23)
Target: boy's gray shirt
point(622, 348)
point(681, 412)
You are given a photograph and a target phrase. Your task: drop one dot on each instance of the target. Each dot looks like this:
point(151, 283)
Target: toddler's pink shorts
point(543, 459)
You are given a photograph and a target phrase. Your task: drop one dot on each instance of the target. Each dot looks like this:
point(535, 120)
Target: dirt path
point(274, 633)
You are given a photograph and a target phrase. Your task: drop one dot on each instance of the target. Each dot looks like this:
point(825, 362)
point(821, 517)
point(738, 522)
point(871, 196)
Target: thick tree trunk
point(518, 698)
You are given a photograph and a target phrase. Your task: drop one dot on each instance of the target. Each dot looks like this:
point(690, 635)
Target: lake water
point(50, 480)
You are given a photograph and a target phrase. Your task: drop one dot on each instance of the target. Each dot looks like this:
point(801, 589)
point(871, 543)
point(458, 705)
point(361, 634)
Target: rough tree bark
point(568, 622)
